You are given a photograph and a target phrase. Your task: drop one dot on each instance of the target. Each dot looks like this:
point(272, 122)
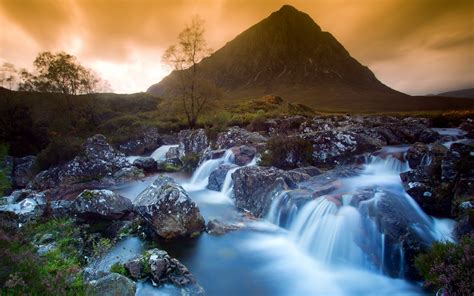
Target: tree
point(184, 58)
point(59, 72)
point(8, 75)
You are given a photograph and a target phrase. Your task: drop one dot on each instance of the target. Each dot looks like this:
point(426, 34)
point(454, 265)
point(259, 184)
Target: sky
point(414, 46)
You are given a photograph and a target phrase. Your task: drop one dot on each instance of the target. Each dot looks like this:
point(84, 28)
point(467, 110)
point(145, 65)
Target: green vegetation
point(287, 153)
point(448, 266)
point(119, 268)
point(101, 246)
point(190, 162)
point(58, 151)
point(4, 170)
point(57, 272)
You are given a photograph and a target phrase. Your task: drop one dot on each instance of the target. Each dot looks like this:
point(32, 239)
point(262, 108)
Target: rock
point(112, 284)
point(217, 177)
point(334, 147)
point(144, 143)
point(99, 160)
point(192, 142)
point(243, 155)
point(417, 154)
point(308, 170)
point(27, 209)
point(101, 205)
point(459, 159)
point(236, 136)
point(168, 209)
point(288, 203)
point(256, 187)
point(468, 127)
point(135, 268)
point(172, 156)
point(147, 164)
point(127, 174)
point(216, 227)
point(23, 171)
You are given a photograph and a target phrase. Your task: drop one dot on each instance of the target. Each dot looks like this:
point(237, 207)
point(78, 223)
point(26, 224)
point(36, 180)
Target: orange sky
point(415, 46)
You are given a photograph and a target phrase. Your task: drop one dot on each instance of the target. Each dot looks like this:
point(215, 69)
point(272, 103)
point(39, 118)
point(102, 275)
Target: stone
point(112, 284)
point(216, 227)
point(147, 141)
point(169, 210)
point(236, 136)
point(134, 268)
point(101, 205)
point(23, 171)
point(192, 142)
point(243, 155)
point(147, 164)
point(217, 177)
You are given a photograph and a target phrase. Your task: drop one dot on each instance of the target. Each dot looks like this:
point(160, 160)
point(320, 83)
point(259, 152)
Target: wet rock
point(172, 156)
point(135, 268)
point(308, 170)
point(333, 147)
point(217, 177)
point(168, 209)
point(147, 164)
point(243, 155)
point(112, 284)
point(468, 127)
point(192, 142)
point(459, 159)
point(23, 171)
point(216, 227)
point(236, 136)
point(417, 154)
point(101, 205)
point(256, 187)
point(27, 209)
point(144, 143)
point(126, 174)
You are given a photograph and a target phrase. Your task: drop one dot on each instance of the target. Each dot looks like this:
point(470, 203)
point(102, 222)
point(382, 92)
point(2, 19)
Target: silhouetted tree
point(8, 76)
point(59, 72)
point(191, 48)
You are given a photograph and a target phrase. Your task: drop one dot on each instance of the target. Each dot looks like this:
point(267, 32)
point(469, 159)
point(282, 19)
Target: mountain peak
point(291, 17)
point(288, 8)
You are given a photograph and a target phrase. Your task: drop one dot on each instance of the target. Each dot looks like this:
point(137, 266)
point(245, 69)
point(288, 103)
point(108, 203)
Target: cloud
point(130, 36)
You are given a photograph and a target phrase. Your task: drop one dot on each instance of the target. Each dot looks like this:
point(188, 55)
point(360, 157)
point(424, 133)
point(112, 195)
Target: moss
point(119, 268)
point(448, 266)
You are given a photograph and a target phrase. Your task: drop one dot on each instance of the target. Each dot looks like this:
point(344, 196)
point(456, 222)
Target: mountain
point(462, 93)
point(287, 54)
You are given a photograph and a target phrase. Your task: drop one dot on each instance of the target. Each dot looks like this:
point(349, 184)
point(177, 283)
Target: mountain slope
point(462, 93)
point(287, 54)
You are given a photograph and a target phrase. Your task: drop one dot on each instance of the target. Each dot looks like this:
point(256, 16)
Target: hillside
point(462, 93)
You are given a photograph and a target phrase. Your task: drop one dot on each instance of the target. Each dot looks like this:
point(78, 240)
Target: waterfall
point(200, 177)
point(351, 233)
point(160, 153)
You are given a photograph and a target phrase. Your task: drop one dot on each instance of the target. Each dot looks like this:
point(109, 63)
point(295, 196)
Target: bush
point(59, 151)
point(448, 266)
point(287, 153)
point(118, 268)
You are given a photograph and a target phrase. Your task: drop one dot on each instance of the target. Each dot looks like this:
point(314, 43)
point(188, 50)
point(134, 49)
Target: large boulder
point(243, 155)
point(168, 209)
point(333, 147)
point(255, 188)
point(28, 207)
point(101, 205)
point(112, 284)
point(23, 171)
point(192, 142)
point(236, 136)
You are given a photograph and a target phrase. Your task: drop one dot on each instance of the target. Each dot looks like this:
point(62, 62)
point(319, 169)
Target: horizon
point(433, 58)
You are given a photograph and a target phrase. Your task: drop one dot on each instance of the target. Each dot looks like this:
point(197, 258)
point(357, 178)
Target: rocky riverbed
point(372, 194)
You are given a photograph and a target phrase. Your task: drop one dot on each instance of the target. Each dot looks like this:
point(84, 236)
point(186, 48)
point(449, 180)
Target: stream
point(298, 249)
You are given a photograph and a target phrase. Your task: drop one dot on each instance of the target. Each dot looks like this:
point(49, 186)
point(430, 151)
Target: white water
point(159, 154)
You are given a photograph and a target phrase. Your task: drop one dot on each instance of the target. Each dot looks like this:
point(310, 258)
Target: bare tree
point(184, 58)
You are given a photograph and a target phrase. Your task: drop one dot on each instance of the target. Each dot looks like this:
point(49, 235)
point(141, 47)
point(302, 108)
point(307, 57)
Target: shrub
point(448, 266)
point(287, 153)
point(59, 151)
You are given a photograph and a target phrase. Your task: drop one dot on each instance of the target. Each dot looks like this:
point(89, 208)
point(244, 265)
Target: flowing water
point(159, 154)
point(323, 246)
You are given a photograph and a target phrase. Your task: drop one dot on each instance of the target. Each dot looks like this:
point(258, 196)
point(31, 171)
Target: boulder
point(60, 208)
point(308, 170)
point(236, 136)
point(255, 188)
point(135, 268)
point(418, 154)
point(192, 142)
point(216, 227)
point(243, 155)
point(468, 127)
point(101, 205)
point(23, 171)
point(112, 284)
point(168, 209)
point(147, 164)
point(217, 177)
point(172, 156)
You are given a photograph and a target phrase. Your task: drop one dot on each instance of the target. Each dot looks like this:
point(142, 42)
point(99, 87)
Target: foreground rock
point(256, 187)
point(158, 266)
point(168, 209)
point(101, 205)
point(112, 284)
point(147, 164)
